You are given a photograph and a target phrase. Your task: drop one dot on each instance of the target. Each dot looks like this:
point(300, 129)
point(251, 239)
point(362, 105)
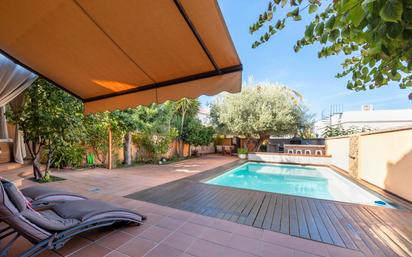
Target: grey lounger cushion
point(49, 194)
point(86, 210)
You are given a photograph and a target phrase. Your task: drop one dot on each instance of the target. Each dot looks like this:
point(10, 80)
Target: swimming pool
point(308, 181)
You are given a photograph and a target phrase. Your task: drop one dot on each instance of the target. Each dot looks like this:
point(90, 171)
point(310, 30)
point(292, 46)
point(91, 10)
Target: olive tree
point(261, 111)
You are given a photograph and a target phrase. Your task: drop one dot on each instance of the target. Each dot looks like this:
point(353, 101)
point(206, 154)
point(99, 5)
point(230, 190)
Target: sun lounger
point(52, 228)
point(41, 196)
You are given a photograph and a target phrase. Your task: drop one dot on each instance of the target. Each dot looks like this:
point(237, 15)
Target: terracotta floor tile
point(96, 234)
point(135, 230)
point(216, 236)
point(202, 248)
point(182, 215)
point(116, 254)
point(192, 229)
point(74, 245)
point(248, 231)
point(170, 223)
point(114, 240)
point(153, 218)
point(179, 241)
point(342, 252)
point(201, 220)
point(92, 250)
point(164, 251)
point(303, 245)
point(155, 233)
point(137, 247)
point(224, 225)
point(303, 254)
point(245, 244)
point(275, 251)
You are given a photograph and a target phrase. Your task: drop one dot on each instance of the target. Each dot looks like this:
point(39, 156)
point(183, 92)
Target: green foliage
point(375, 34)
point(97, 133)
point(155, 133)
point(334, 131)
point(71, 155)
point(51, 120)
point(260, 112)
point(195, 133)
point(242, 151)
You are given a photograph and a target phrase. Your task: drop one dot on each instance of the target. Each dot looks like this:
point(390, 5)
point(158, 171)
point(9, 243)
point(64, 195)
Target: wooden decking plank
point(221, 208)
point(337, 240)
point(270, 211)
point(242, 205)
point(339, 227)
point(277, 215)
point(262, 211)
point(324, 234)
point(221, 198)
point(204, 202)
point(303, 226)
point(201, 195)
point(402, 230)
point(385, 249)
point(285, 220)
point(245, 213)
point(293, 217)
point(255, 210)
point(234, 209)
point(310, 220)
point(383, 231)
point(362, 240)
point(227, 207)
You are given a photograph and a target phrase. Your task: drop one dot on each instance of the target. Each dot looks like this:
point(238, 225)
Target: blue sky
point(314, 78)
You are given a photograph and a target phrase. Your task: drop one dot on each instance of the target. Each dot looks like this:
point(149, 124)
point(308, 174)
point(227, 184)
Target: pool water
point(308, 181)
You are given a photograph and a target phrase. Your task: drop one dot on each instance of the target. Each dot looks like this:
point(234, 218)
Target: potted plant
point(242, 153)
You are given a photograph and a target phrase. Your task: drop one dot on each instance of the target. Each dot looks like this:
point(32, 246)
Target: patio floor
point(172, 232)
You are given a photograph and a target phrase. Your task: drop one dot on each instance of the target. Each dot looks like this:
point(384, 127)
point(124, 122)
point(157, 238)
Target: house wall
point(384, 159)
point(338, 148)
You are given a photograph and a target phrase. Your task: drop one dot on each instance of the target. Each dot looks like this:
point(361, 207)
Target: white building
point(367, 118)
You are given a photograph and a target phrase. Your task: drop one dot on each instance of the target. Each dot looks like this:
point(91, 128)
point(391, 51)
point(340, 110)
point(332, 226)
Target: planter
point(242, 156)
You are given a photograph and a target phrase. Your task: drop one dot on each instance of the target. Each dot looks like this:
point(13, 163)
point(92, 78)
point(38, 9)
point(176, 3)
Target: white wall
point(338, 148)
point(285, 158)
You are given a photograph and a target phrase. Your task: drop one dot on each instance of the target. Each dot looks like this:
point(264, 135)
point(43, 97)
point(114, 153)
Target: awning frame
point(216, 72)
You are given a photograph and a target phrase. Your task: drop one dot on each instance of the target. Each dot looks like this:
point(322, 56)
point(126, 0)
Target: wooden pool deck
point(375, 231)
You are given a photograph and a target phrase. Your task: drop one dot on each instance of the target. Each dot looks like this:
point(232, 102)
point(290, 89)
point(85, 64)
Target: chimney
point(367, 107)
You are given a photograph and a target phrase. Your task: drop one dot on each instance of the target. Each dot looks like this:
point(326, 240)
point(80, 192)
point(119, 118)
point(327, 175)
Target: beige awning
point(116, 54)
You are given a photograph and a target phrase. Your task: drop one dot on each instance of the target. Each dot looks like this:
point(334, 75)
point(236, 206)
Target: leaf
point(346, 5)
point(313, 8)
point(331, 22)
point(356, 15)
point(297, 18)
point(393, 30)
point(309, 31)
point(392, 11)
point(333, 35)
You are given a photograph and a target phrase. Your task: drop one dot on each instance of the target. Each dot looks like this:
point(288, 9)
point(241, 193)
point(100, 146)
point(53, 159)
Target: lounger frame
point(58, 239)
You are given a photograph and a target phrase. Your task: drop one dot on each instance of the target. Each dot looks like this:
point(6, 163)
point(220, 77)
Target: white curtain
point(3, 124)
point(13, 81)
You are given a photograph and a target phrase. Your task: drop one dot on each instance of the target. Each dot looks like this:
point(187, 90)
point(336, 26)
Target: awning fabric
point(118, 54)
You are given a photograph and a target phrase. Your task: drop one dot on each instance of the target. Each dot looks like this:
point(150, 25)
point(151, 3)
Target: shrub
point(242, 151)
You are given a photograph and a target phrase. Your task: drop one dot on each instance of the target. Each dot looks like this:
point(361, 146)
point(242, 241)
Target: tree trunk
point(260, 141)
point(128, 148)
point(36, 168)
point(181, 133)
